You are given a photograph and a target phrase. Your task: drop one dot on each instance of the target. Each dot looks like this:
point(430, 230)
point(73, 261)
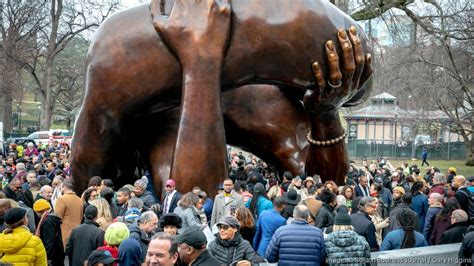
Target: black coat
point(174, 202)
point(325, 217)
point(142, 237)
point(467, 247)
point(84, 239)
point(364, 226)
point(50, 234)
point(393, 223)
point(205, 259)
point(454, 233)
point(231, 251)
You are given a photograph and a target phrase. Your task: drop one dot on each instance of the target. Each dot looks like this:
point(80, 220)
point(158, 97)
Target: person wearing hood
point(17, 245)
point(343, 245)
point(49, 231)
point(229, 248)
point(147, 224)
point(84, 238)
point(130, 252)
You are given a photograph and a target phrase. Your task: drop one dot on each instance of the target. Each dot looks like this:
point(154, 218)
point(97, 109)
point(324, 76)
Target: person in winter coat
point(143, 194)
point(455, 232)
point(130, 252)
point(85, 238)
point(49, 231)
point(325, 215)
point(188, 209)
point(147, 224)
point(259, 201)
point(406, 237)
point(343, 245)
point(17, 245)
point(362, 223)
point(466, 251)
point(297, 243)
point(229, 248)
point(419, 202)
point(268, 222)
point(170, 223)
point(114, 235)
point(405, 205)
point(69, 208)
point(436, 206)
point(443, 221)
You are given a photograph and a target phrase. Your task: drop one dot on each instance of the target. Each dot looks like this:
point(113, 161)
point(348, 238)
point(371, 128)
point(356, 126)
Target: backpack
point(470, 205)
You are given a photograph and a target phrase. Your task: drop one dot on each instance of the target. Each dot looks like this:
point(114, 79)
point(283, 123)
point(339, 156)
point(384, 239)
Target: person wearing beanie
point(17, 245)
point(143, 194)
point(114, 235)
point(49, 231)
point(343, 245)
point(229, 246)
point(85, 238)
point(397, 193)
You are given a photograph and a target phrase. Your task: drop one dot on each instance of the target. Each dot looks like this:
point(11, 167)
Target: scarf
point(40, 223)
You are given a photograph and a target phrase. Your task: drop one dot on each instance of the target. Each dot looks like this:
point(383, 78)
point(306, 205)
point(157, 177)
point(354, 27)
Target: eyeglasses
point(223, 227)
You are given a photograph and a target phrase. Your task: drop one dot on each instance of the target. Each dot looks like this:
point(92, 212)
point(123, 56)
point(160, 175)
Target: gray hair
point(438, 178)
point(43, 188)
point(135, 203)
point(365, 201)
point(30, 144)
point(459, 215)
point(20, 167)
point(301, 212)
point(147, 216)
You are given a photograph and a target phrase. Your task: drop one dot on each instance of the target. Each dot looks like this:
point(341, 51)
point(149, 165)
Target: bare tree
point(19, 23)
point(67, 20)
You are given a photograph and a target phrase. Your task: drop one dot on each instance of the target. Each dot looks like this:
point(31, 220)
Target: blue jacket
point(420, 205)
point(130, 252)
point(430, 220)
point(394, 239)
point(297, 244)
point(263, 204)
point(268, 222)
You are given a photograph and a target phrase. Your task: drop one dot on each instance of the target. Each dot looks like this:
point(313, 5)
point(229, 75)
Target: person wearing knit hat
point(343, 245)
point(114, 235)
point(49, 230)
point(142, 193)
point(17, 245)
point(41, 205)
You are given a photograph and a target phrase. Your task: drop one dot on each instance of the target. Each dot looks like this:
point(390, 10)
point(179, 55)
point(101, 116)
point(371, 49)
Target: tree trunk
point(7, 115)
point(470, 153)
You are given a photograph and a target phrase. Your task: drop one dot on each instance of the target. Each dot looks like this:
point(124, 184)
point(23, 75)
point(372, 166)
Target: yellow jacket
point(21, 248)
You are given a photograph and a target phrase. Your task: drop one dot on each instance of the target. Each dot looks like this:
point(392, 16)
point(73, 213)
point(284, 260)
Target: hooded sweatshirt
point(130, 252)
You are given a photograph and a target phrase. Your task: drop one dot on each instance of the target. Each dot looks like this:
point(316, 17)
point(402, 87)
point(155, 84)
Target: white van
point(40, 136)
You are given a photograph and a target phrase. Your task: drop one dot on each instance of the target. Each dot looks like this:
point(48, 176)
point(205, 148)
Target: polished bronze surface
point(133, 76)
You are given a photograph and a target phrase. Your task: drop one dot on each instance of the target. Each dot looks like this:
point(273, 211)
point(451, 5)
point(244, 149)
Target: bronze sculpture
point(132, 72)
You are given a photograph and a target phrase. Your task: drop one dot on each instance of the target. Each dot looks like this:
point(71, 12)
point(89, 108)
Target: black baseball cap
point(100, 256)
point(193, 238)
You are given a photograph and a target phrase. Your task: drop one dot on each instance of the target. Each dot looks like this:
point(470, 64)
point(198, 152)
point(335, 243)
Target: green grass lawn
point(443, 165)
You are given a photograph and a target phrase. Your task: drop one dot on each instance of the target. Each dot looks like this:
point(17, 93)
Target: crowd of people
point(256, 216)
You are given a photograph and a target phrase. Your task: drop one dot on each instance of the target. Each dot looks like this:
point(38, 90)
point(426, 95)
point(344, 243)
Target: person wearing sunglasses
point(229, 248)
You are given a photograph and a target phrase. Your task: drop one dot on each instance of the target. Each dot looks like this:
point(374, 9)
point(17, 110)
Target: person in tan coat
point(69, 209)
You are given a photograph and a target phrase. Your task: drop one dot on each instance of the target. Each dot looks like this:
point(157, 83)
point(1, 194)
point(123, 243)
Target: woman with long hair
point(349, 195)
point(104, 215)
point(331, 185)
point(17, 244)
point(406, 236)
point(247, 224)
point(187, 209)
point(89, 195)
point(443, 220)
point(259, 202)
